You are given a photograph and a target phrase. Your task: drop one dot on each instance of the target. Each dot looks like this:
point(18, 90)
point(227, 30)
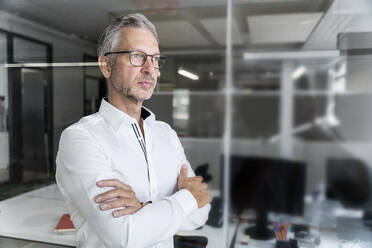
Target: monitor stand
point(260, 231)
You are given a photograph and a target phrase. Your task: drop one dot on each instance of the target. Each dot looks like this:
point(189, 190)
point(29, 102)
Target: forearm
point(197, 219)
point(153, 223)
point(162, 219)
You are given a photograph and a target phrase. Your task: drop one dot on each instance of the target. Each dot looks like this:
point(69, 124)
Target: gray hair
point(109, 35)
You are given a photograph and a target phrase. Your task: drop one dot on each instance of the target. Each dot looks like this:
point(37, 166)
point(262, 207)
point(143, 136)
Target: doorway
point(34, 133)
point(30, 110)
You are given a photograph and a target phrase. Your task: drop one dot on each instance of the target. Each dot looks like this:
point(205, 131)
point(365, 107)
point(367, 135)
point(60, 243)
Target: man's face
point(136, 83)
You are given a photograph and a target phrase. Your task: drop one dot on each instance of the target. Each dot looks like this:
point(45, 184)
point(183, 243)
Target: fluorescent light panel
point(188, 74)
point(299, 72)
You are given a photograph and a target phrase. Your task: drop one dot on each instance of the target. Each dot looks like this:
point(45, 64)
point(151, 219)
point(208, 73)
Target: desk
point(329, 221)
point(33, 216)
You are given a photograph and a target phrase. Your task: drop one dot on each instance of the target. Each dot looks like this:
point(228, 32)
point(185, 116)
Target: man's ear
point(104, 66)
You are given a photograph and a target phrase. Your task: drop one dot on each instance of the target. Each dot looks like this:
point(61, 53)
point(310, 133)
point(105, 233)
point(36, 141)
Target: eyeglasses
point(138, 58)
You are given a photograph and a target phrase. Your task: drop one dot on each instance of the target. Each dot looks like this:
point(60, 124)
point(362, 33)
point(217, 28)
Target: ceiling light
point(185, 73)
point(299, 72)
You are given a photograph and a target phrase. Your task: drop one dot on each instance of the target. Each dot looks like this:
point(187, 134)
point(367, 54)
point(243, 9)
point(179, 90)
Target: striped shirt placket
point(143, 147)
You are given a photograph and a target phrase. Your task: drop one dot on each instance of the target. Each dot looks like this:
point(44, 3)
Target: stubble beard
point(127, 92)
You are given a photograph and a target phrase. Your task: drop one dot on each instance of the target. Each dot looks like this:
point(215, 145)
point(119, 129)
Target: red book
point(65, 224)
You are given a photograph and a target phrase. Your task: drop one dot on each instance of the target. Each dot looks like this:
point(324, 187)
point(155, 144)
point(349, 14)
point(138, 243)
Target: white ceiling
point(325, 35)
point(287, 28)
point(217, 28)
point(169, 34)
point(344, 16)
point(290, 24)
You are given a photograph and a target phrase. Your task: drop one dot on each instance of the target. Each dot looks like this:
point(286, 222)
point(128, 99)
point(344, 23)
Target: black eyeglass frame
point(144, 61)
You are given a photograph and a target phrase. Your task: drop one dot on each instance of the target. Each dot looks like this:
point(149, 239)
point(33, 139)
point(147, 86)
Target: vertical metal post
point(286, 110)
point(228, 120)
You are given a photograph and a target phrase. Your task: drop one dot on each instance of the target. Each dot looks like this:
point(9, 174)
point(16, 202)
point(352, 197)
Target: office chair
point(190, 241)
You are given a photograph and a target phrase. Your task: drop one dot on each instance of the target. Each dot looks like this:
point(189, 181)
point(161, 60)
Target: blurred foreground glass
point(305, 109)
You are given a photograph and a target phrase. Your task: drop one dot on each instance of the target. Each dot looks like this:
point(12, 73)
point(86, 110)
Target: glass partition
point(58, 59)
point(302, 71)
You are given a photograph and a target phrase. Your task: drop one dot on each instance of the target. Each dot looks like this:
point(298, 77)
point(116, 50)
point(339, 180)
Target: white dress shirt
point(108, 144)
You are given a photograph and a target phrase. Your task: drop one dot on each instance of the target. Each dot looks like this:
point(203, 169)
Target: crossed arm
point(123, 196)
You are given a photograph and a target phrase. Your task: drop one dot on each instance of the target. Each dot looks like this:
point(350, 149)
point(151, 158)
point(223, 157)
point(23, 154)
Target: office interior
point(247, 84)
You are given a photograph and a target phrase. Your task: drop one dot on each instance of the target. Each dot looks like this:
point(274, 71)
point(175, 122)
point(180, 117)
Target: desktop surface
point(33, 216)
point(325, 224)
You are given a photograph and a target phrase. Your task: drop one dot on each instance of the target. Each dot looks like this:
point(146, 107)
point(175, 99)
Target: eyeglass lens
point(138, 58)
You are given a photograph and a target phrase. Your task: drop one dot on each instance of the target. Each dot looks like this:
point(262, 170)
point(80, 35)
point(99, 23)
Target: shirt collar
point(116, 117)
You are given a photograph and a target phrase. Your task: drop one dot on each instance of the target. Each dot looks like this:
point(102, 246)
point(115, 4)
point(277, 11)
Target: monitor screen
point(347, 181)
point(266, 184)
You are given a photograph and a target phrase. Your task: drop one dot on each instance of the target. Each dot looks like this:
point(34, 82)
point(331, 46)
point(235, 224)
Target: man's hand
point(195, 185)
point(121, 196)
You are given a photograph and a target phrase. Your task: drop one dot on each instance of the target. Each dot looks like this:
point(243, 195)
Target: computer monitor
point(266, 184)
point(347, 181)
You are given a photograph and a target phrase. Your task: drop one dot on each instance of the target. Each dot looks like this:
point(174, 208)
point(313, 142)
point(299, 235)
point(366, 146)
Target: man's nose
point(148, 66)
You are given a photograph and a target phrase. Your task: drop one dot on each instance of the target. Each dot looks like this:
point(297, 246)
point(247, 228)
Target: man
point(153, 192)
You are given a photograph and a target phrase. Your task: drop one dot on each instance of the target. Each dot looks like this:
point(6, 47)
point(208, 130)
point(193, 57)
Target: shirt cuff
point(186, 201)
